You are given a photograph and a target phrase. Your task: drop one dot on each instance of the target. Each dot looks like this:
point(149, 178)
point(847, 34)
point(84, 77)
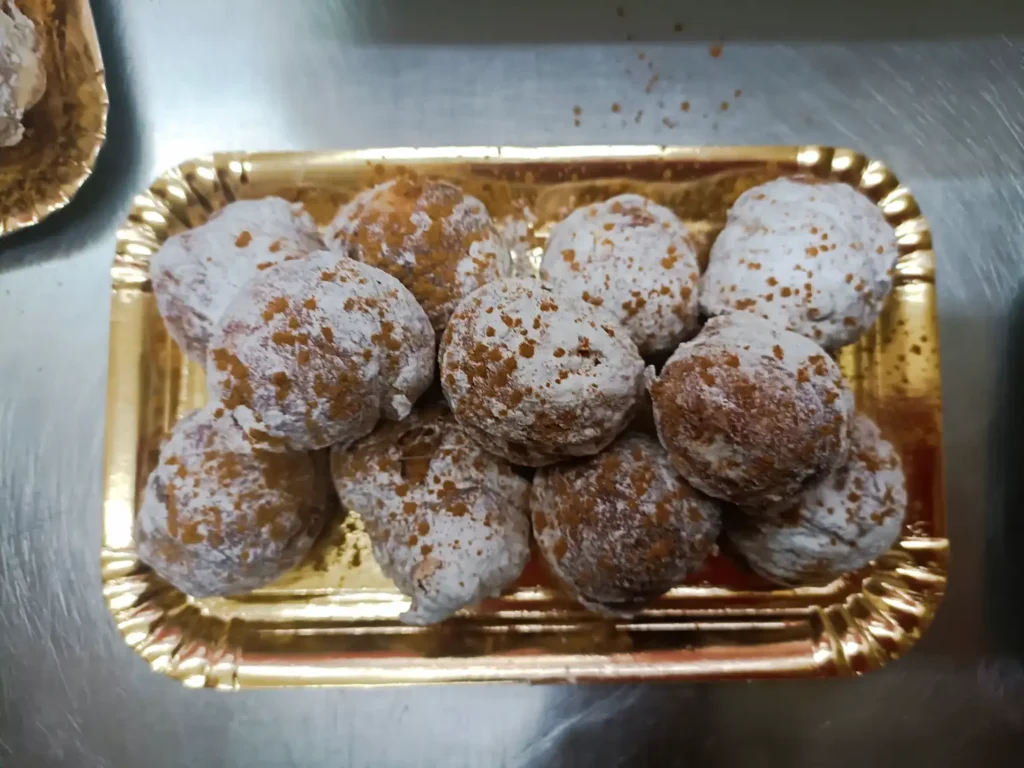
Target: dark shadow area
point(471, 22)
point(1004, 528)
point(115, 177)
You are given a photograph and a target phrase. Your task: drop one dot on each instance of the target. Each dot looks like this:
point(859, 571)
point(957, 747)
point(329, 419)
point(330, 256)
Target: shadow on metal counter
point(470, 22)
point(1004, 534)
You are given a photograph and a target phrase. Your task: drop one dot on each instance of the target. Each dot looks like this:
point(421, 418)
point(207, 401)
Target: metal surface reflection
point(930, 89)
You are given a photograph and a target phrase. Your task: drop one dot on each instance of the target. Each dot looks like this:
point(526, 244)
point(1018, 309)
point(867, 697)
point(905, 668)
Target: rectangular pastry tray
point(334, 620)
point(66, 128)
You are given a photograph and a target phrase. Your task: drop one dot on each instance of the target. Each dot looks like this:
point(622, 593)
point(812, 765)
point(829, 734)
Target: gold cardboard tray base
point(333, 621)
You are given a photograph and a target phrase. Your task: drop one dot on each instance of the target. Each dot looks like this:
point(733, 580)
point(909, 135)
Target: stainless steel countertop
point(937, 94)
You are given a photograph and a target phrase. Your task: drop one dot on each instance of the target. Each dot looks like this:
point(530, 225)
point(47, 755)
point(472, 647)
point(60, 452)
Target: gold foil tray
point(65, 130)
point(334, 620)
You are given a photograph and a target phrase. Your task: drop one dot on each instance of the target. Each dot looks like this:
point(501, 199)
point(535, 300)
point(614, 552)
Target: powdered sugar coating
point(448, 521)
point(621, 528)
point(221, 516)
point(22, 74)
point(751, 413)
point(634, 258)
point(837, 527)
point(815, 257)
point(313, 352)
point(438, 241)
point(536, 376)
point(198, 272)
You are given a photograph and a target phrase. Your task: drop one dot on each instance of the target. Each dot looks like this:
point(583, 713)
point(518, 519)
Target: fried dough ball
point(221, 515)
point(314, 352)
point(535, 376)
point(839, 526)
point(438, 241)
point(621, 528)
point(817, 257)
point(633, 257)
point(22, 72)
point(751, 413)
point(197, 273)
point(448, 521)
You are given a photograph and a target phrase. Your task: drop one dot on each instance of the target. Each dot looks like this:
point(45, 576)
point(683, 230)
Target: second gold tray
point(334, 620)
point(65, 130)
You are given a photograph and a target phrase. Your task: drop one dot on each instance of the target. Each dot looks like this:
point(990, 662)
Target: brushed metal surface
point(936, 95)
